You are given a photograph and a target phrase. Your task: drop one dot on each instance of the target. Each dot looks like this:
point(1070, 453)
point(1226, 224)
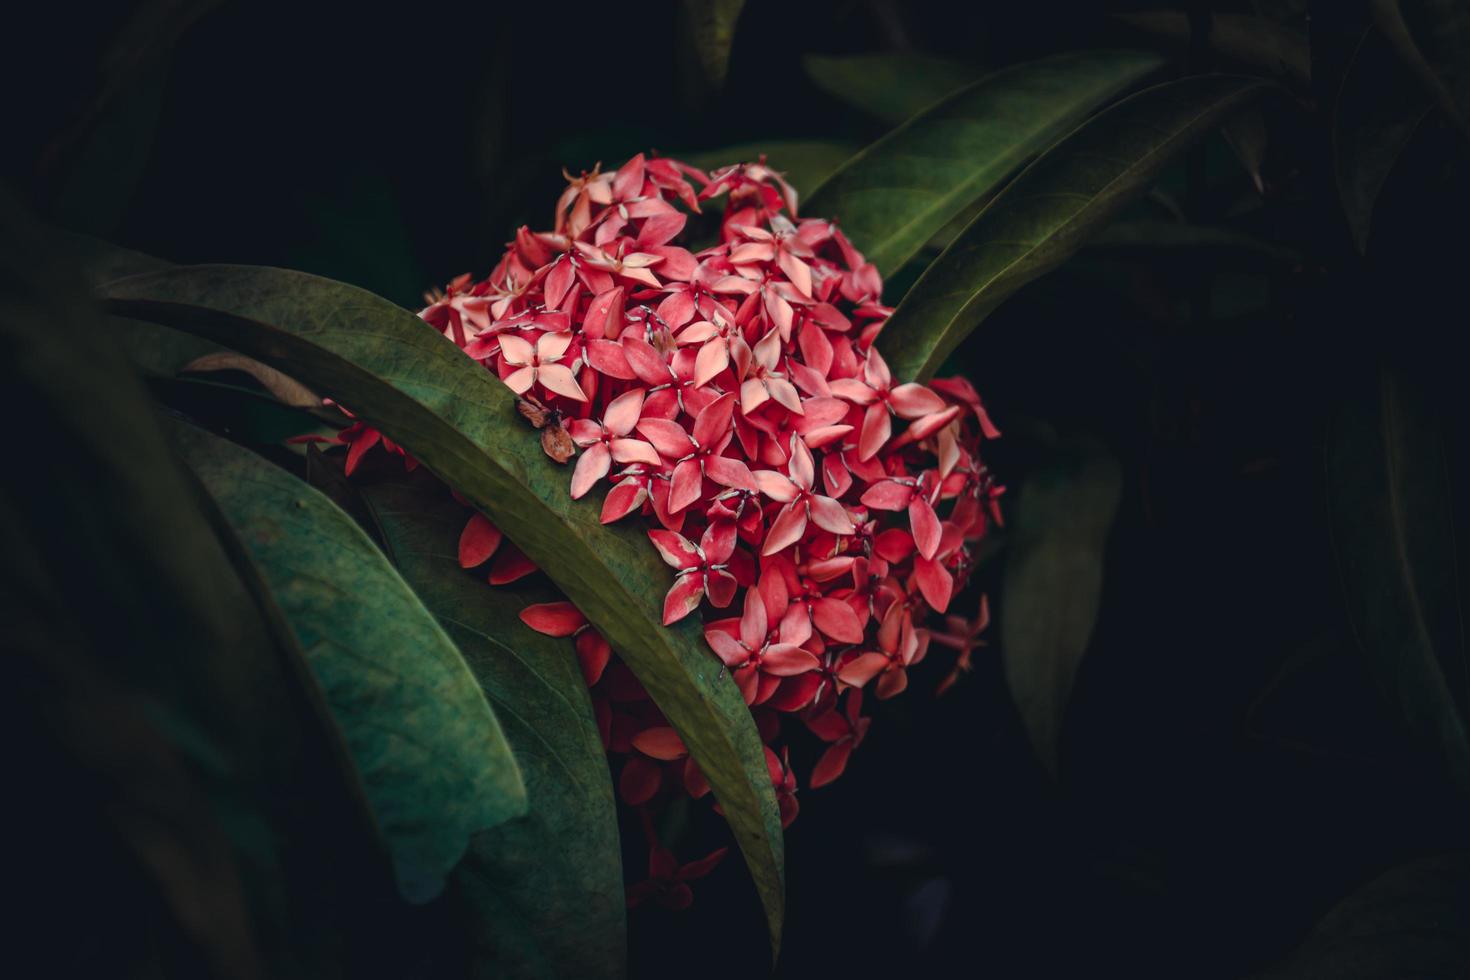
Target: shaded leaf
point(193, 729)
point(434, 761)
point(1052, 584)
point(894, 195)
point(1411, 921)
point(1170, 236)
point(1433, 39)
point(400, 375)
point(1256, 41)
point(806, 163)
point(542, 895)
point(1379, 108)
point(244, 414)
point(1050, 210)
point(1392, 523)
point(1246, 134)
point(892, 86)
point(712, 26)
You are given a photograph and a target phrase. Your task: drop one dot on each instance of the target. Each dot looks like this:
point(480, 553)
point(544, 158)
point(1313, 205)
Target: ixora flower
point(816, 512)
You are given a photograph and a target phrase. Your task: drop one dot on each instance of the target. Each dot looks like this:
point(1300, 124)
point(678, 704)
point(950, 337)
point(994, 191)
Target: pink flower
point(702, 569)
point(538, 363)
point(667, 884)
point(877, 392)
point(843, 730)
point(899, 647)
point(759, 648)
point(801, 503)
point(606, 441)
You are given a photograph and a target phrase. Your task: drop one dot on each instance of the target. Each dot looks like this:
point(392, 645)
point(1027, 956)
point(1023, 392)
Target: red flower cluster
point(733, 397)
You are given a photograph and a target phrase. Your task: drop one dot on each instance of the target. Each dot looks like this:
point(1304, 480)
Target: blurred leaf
point(1411, 921)
point(1255, 41)
point(100, 261)
point(892, 86)
point(433, 758)
point(893, 196)
point(400, 375)
point(542, 895)
point(1246, 133)
point(141, 50)
point(1052, 585)
point(712, 26)
point(133, 642)
point(1171, 236)
point(1393, 534)
point(105, 169)
point(806, 163)
point(1050, 210)
point(359, 236)
point(1379, 108)
point(1433, 39)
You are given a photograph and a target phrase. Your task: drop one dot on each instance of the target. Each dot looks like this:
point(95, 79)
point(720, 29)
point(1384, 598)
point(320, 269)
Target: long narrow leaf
point(542, 894)
point(435, 763)
point(401, 376)
point(893, 196)
point(1050, 210)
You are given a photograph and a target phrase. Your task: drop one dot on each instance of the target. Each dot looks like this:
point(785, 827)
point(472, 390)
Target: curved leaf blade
point(1050, 209)
point(542, 894)
point(711, 27)
point(149, 663)
point(1052, 585)
point(1379, 108)
point(403, 377)
point(1413, 920)
point(1391, 517)
point(896, 194)
point(436, 765)
point(893, 85)
point(1433, 39)
point(1259, 42)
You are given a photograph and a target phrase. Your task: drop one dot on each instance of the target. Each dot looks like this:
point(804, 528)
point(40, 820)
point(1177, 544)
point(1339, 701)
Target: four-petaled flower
point(701, 569)
point(539, 363)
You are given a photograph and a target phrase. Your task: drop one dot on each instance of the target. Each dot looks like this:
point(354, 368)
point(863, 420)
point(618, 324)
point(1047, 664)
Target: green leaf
point(893, 196)
point(433, 758)
point(1433, 39)
point(1050, 209)
point(400, 375)
point(1411, 921)
point(1392, 523)
point(806, 163)
point(1052, 585)
point(1255, 41)
point(197, 741)
point(711, 25)
point(542, 895)
point(1379, 108)
point(891, 86)
point(244, 414)
point(1172, 236)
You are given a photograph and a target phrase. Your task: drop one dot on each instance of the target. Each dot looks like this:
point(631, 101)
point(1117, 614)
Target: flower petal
point(478, 541)
point(663, 744)
point(553, 618)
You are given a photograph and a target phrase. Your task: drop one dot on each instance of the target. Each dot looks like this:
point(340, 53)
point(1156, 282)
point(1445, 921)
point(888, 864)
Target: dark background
point(1229, 769)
